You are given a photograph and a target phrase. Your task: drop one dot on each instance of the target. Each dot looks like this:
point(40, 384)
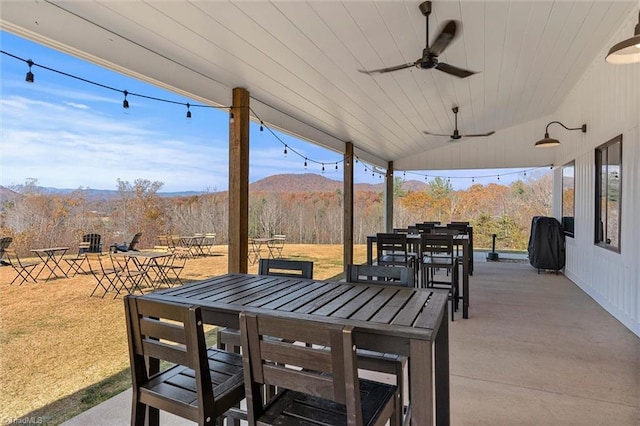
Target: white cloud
point(77, 105)
point(63, 146)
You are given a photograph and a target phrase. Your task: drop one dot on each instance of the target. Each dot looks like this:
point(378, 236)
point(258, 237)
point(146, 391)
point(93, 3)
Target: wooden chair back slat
point(324, 370)
point(382, 275)
point(286, 268)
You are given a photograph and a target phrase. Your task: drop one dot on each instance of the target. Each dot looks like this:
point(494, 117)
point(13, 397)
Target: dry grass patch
point(56, 341)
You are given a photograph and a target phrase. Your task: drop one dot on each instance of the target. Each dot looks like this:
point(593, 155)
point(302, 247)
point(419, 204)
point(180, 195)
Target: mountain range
point(307, 182)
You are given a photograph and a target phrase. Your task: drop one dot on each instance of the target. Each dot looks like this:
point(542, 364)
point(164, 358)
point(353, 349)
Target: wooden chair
point(317, 379)
point(392, 250)
point(200, 384)
point(5, 242)
point(132, 246)
point(437, 253)
point(24, 270)
point(383, 275)
point(286, 268)
point(229, 338)
point(95, 246)
point(377, 361)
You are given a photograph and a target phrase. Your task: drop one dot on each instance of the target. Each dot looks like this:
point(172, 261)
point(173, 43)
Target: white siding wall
point(607, 98)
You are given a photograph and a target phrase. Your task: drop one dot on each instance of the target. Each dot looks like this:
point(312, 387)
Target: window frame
point(600, 236)
point(568, 221)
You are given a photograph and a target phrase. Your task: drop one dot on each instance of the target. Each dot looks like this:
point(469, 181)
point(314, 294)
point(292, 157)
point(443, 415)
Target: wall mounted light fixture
point(627, 51)
point(547, 142)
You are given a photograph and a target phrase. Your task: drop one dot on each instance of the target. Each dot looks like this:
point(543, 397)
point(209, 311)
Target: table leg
point(369, 251)
point(442, 371)
point(421, 382)
point(465, 280)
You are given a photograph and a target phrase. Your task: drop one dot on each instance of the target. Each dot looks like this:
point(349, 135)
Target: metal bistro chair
point(76, 262)
point(276, 245)
point(317, 380)
point(23, 269)
point(105, 275)
point(200, 384)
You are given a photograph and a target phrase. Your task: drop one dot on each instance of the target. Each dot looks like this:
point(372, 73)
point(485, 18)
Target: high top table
point(406, 321)
point(458, 240)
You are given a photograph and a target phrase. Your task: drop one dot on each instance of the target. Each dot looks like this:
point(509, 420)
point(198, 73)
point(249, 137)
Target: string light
point(336, 166)
point(285, 150)
point(125, 103)
point(29, 77)
point(322, 167)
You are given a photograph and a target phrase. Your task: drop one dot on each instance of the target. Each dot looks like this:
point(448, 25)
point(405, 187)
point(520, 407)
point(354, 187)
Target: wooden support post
point(347, 238)
point(388, 198)
point(239, 181)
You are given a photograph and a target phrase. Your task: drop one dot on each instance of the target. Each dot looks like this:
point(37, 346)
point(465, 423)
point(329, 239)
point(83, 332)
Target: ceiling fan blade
point(389, 69)
point(446, 36)
point(450, 69)
point(434, 134)
point(478, 135)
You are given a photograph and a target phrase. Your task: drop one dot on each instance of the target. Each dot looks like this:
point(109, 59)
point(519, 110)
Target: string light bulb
point(305, 162)
point(261, 126)
point(125, 103)
point(336, 166)
point(188, 111)
point(285, 150)
point(29, 77)
point(231, 118)
point(322, 167)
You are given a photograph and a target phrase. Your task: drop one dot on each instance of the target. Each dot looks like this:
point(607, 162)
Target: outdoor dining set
point(293, 347)
point(123, 270)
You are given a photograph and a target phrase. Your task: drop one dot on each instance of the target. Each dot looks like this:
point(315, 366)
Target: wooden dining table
point(399, 320)
point(460, 240)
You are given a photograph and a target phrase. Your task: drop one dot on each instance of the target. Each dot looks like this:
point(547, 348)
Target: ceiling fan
point(430, 54)
point(456, 134)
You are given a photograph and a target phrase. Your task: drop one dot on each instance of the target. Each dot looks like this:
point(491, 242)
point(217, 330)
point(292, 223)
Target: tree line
point(35, 218)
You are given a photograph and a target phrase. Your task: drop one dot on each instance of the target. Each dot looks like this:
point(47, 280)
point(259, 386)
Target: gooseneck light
point(627, 51)
point(547, 142)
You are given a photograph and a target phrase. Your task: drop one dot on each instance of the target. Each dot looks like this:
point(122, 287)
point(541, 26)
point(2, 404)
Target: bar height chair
point(317, 379)
point(200, 384)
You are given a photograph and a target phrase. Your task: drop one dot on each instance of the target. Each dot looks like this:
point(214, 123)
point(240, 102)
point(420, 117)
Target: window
point(608, 194)
point(568, 197)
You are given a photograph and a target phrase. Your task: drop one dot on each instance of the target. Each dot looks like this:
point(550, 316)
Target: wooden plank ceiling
point(300, 60)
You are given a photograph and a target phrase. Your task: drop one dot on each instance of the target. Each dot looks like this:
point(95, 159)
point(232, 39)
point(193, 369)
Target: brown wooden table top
point(409, 312)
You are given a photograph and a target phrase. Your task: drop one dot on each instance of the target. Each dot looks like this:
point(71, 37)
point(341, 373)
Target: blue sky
point(69, 134)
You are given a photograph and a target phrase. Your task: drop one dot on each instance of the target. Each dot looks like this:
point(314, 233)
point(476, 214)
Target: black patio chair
point(132, 245)
point(95, 246)
point(4, 244)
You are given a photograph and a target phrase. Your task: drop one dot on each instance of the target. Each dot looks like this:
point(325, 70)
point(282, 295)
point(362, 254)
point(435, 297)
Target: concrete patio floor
point(536, 350)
